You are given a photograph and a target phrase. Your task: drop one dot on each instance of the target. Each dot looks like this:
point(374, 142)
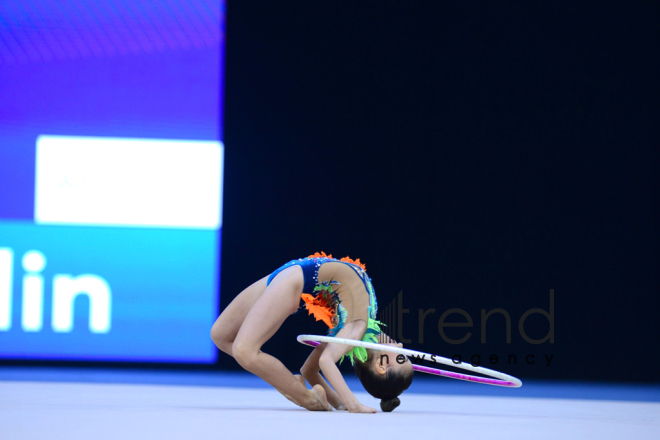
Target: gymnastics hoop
point(500, 379)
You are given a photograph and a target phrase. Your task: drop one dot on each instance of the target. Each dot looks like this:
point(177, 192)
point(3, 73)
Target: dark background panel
point(474, 156)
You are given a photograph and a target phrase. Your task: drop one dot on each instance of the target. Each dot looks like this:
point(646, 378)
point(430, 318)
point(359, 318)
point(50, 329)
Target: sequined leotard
point(337, 292)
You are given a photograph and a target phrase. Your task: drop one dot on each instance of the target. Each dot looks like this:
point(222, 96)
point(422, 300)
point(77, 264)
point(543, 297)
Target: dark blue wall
point(474, 156)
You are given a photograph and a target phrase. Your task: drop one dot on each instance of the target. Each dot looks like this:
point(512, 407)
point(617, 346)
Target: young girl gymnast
point(338, 292)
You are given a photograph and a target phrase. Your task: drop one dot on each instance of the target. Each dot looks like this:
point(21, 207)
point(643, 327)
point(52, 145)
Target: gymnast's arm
point(328, 360)
point(311, 372)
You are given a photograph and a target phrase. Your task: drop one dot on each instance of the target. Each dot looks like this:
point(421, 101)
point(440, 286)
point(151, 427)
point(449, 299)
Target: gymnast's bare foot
point(301, 380)
point(319, 401)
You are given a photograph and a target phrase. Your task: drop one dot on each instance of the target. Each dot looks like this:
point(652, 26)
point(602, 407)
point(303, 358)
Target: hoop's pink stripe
point(437, 372)
point(460, 376)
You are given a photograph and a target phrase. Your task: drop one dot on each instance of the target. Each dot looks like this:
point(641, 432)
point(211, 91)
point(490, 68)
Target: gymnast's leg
point(278, 301)
point(226, 327)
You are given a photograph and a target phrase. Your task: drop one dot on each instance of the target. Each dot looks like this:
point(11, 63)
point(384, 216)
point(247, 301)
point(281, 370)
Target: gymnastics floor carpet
point(69, 403)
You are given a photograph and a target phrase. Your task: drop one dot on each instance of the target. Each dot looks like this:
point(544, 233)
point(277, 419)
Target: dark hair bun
point(388, 405)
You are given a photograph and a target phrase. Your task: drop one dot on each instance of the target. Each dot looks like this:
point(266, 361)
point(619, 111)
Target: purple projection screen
point(111, 164)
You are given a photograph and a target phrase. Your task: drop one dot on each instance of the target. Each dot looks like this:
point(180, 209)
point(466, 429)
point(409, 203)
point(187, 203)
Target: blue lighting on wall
point(111, 164)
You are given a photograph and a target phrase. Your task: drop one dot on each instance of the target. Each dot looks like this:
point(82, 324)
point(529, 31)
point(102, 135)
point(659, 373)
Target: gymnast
point(338, 292)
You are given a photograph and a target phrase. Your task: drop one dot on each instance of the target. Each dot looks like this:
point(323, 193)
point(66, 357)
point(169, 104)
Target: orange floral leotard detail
point(323, 302)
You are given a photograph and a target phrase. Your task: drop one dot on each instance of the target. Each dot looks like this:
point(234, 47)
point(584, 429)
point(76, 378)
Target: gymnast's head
point(385, 375)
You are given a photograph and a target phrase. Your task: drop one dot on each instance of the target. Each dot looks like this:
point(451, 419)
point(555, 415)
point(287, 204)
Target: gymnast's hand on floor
point(362, 409)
